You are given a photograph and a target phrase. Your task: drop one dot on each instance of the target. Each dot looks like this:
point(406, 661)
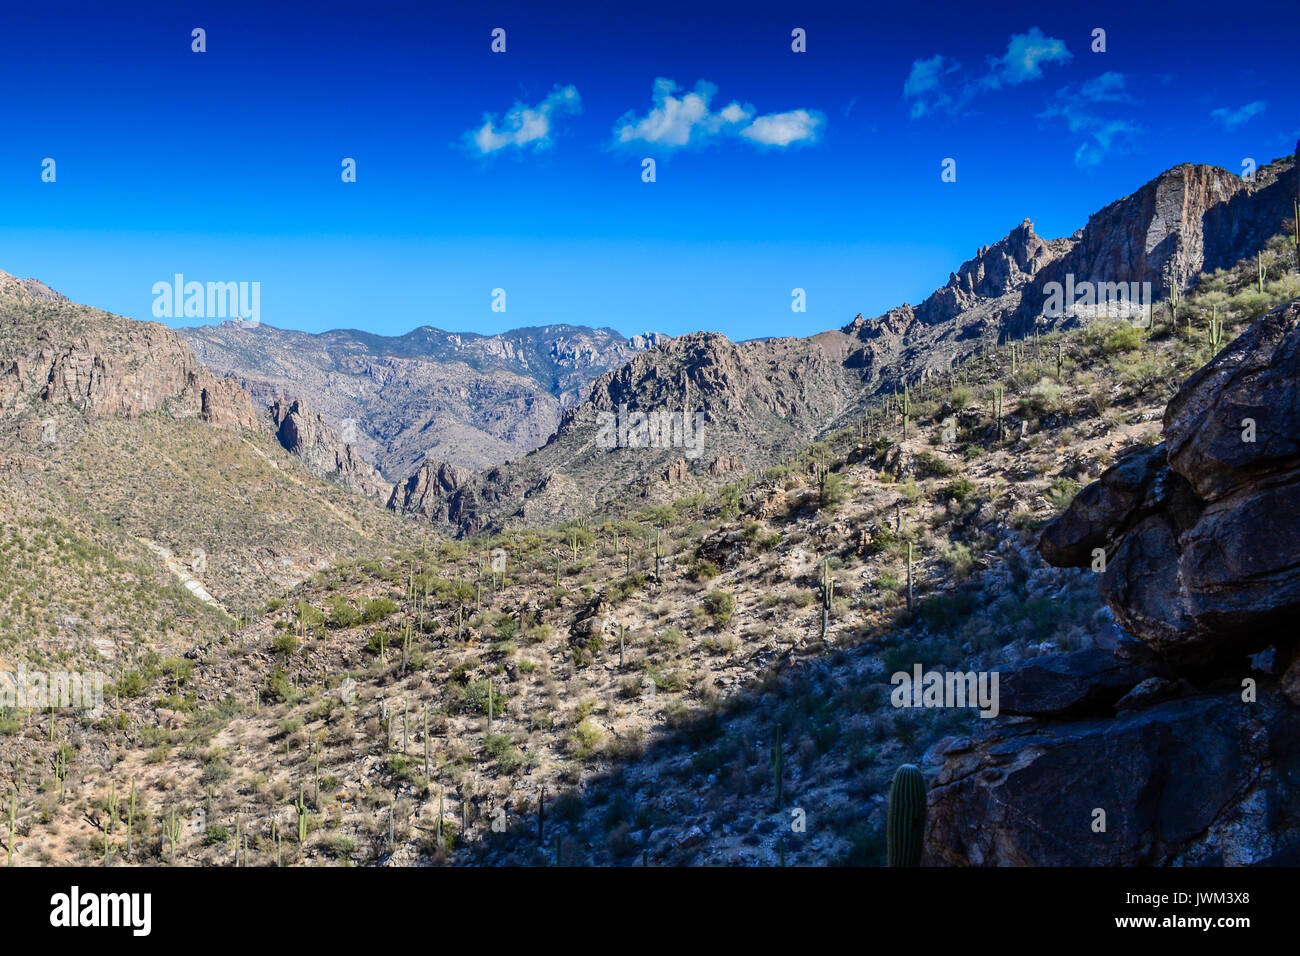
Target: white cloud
point(1231, 119)
point(930, 86)
point(924, 84)
point(679, 119)
point(1026, 52)
point(525, 126)
point(1076, 103)
point(782, 129)
point(1107, 88)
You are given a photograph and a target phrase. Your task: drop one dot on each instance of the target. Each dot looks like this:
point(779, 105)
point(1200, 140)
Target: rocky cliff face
point(1191, 744)
point(1189, 219)
point(729, 406)
point(104, 365)
point(434, 492)
point(308, 436)
point(472, 400)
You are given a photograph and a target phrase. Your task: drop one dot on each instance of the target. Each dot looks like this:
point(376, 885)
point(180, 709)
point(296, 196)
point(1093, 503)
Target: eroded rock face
point(1202, 533)
point(307, 435)
point(436, 491)
point(105, 366)
point(1202, 780)
point(1187, 744)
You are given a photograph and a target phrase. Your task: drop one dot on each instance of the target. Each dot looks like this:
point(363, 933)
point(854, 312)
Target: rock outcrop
point(307, 435)
point(437, 491)
point(1187, 740)
point(106, 366)
point(1202, 533)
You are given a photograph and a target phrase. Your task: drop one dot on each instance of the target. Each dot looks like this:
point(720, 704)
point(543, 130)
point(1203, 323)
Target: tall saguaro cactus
point(13, 820)
point(828, 595)
point(1216, 331)
point(909, 578)
point(905, 829)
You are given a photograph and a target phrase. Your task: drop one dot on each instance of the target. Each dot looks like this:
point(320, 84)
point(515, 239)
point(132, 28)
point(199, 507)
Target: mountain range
point(471, 400)
point(656, 642)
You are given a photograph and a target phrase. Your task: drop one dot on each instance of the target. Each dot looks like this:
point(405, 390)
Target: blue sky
point(522, 170)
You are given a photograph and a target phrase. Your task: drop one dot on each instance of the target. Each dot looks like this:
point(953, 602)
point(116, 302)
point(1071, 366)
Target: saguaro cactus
point(909, 577)
point(172, 830)
point(1215, 331)
point(13, 821)
point(301, 807)
point(828, 595)
point(778, 768)
point(905, 830)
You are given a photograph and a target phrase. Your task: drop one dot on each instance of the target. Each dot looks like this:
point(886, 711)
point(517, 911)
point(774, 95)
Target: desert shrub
point(719, 605)
point(1062, 492)
point(702, 571)
point(930, 465)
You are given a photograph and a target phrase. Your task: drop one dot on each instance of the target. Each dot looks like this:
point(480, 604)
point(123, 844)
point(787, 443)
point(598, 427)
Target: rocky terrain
point(696, 669)
point(760, 401)
point(1189, 736)
point(473, 401)
point(134, 478)
point(681, 685)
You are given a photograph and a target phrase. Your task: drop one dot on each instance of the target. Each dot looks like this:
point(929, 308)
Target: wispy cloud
point(688, 119)
point(1231, 119)
point(525, 126)
point(1077, 104)
point(923, 87)
point(1024, 59)
point(936, 83)
point(1107, 88)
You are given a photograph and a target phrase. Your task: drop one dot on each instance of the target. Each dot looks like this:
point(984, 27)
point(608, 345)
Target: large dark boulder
point(1203, 780)
point(1202, 533)
point(1189, 746)
point(1067, 685)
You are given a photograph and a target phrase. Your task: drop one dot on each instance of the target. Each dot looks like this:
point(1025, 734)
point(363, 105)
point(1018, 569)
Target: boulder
point(1202, 532)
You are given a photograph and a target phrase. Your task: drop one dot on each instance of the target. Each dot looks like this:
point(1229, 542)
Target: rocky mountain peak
point(27, 290)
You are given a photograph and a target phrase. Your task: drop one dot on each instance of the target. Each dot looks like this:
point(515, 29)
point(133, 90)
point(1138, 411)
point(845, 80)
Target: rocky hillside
point(708, 681)
point(728, 407)
point(144, 498)
point(471, 400)
point(758, 401)
point(1189, 727)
